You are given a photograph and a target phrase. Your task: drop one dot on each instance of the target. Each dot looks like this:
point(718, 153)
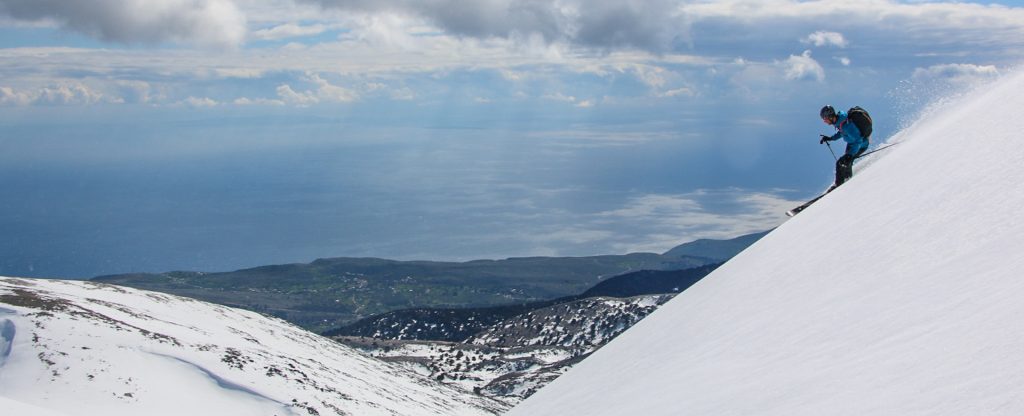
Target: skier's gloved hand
point(824, 139)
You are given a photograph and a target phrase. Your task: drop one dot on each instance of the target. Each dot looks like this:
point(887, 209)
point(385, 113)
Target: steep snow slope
point(82, 348)
point(898, 294)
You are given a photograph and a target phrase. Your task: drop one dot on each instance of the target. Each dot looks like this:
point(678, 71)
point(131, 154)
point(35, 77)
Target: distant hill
point(649, 282)
point(329, 293)
point(715, 249)
point(458, 324)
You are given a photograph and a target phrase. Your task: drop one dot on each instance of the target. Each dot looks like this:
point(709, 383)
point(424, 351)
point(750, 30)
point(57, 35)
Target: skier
point(854, 127)
point(847, 129)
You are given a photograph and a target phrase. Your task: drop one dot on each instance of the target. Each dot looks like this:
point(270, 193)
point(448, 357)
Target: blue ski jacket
point(848, 131)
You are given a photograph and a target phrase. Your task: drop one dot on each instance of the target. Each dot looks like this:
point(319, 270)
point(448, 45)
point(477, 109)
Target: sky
point(157, 135)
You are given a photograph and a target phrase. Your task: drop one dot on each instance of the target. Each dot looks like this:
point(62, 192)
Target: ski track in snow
point(7, 332)
point(221, 381)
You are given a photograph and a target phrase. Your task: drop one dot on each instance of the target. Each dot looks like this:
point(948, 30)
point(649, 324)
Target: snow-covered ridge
point(87, 348)
point(897, 294)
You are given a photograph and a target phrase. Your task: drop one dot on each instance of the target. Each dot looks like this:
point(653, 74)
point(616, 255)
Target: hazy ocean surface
point(117, 198)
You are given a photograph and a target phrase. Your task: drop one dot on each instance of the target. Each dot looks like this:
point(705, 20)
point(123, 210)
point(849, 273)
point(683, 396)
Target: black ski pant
point(844, 166)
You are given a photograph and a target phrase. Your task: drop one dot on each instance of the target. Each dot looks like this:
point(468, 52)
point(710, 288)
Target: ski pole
point(878, 149)
point(830, 151)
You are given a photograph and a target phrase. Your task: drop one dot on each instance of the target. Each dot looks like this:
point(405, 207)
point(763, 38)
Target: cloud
point(887, 33)
point(803, 67)
point(658, 222)
point(650, 25)
point(302, 99)
point(203, 102)
point(68, 94)
point(10, 96)
point(576, 102)
point(325, 92)
point(678, 92)
point(821, 38)
point(956, 73)
point(560, 97)
point(137, 92)
point(605, 24)
point(286, 31)
point(415, 46)
point(257, 101)
point(216, 23)
point(63, 94)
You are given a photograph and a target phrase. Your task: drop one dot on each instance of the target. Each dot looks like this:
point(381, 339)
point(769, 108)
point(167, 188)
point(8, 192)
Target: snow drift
point(898, 294)
point(82, 348)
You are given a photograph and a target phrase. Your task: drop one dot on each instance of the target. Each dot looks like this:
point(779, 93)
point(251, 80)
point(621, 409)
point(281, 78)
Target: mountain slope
point(87, 348)
point(584, 324)
point(897, 294)
point(513, 358)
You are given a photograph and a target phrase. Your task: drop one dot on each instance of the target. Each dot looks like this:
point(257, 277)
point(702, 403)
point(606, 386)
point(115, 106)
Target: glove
point(824, 139)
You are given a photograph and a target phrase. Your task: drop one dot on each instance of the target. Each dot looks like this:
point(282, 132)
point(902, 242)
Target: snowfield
point(901, 293)
point(81, 348)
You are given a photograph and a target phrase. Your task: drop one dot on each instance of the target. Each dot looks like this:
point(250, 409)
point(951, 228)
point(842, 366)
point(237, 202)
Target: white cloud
point(650, 75)
point(886, 31)
point(332, 93)
point(325, 92)
point(239, 72)
point(10, 96)
point(197, 102)
point(288, 30)
point(678, 92)
point(204, 22)
point(803, 67)
point(576, 102)
point(289, 96)
point(69, 95)
point(140, 92)
point(651, 207)
point(407, 41)
point(605, 24)
point(72, 93)
point(257, 101)
point(960, 73)
point(560, 97)
point(821, 38)
point(661, 221)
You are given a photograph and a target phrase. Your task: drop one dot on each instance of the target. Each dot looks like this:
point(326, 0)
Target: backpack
point(861, 119)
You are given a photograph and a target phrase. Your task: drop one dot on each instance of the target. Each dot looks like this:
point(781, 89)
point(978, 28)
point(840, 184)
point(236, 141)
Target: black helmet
point(827, 112)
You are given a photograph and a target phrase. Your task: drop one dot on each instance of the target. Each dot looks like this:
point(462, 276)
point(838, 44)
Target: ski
point(797, 210)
